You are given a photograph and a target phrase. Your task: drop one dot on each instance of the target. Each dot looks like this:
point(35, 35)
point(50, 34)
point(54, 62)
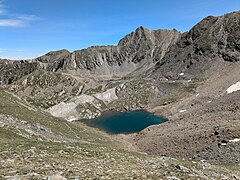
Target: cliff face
point(213, 40)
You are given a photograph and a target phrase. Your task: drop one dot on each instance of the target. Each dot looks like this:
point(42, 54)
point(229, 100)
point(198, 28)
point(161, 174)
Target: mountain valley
point(190, 78)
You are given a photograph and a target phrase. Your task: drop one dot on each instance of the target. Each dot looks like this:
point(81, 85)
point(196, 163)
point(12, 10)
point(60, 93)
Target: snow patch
point(72, 118)
point(235, 140)
point(233, 88)
point(197, 94)
point(181, 74)
point(183, 110)
point(121, 85)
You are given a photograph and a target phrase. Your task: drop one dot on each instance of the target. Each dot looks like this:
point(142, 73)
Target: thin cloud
point(16, 54)
point(10, 20)
point(27, 17)
point(2, 50)
point(1, 7)
point(11, 50)
point(12, 23)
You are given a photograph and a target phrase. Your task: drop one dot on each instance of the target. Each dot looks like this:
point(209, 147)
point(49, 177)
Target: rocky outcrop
point(54, 60)
point(143, 43)
point(11, 71)
point(212, 40)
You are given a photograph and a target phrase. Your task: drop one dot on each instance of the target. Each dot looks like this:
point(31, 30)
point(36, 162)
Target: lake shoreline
point(127, 122)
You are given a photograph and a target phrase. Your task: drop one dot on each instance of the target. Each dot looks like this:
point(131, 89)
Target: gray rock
point(213, 40)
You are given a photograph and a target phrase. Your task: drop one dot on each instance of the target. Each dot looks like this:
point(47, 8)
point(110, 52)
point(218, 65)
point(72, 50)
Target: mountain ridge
point(139, 51)
point(132, 51)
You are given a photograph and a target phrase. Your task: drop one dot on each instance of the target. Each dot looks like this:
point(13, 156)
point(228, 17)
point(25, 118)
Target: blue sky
point(30, 28)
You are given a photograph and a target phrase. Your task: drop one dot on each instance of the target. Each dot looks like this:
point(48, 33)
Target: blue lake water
point(124, 122)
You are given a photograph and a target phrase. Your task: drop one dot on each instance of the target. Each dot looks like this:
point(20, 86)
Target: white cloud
point(19, 21)
point(10, 20)
point(27, 17)
point(12, 23)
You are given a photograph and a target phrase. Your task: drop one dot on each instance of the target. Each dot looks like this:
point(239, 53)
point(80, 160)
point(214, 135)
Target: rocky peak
point(142, 43)
point(133, 50)
point(216, 30)
point(212, 40)
point(140, 34)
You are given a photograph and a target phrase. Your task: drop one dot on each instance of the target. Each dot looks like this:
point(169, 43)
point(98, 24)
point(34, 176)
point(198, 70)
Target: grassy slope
point(10, 105)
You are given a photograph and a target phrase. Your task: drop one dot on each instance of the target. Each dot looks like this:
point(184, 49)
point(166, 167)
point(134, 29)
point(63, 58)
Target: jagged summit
point(211, 41)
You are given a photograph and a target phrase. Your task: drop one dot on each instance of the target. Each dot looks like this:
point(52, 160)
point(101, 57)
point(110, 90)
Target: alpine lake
point(124, 122)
